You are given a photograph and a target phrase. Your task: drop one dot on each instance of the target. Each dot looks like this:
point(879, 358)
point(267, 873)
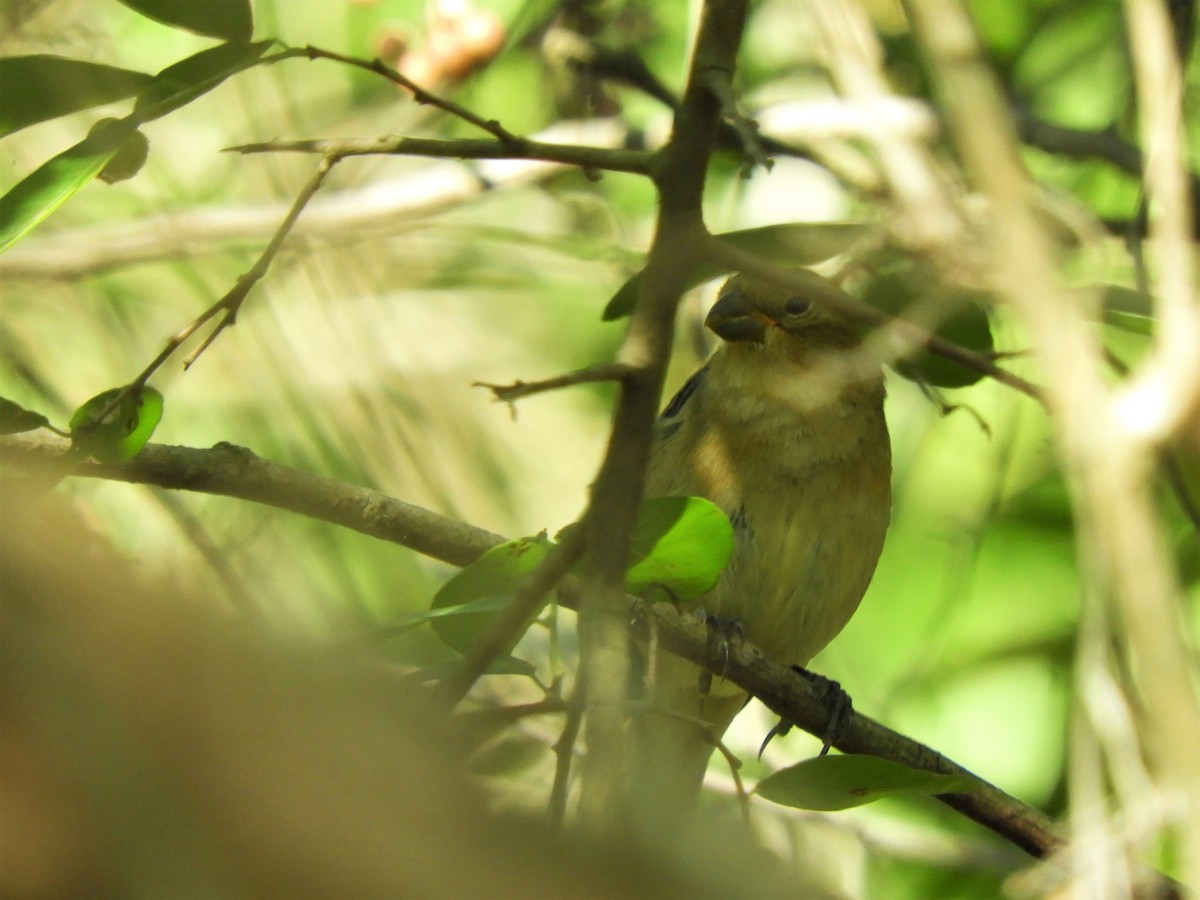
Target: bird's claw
point(723, 634)
point(840, 708)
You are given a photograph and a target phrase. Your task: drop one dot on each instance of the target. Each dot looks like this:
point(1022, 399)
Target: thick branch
point(233, 471)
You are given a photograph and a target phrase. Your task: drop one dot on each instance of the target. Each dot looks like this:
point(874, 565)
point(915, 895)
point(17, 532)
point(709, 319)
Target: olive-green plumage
point(783, 429)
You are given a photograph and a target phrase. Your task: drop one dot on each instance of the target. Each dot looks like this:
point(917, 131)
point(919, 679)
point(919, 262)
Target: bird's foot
point(840, 706)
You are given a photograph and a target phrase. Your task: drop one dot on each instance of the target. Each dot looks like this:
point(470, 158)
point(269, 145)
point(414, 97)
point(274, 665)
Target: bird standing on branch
point(783, 428)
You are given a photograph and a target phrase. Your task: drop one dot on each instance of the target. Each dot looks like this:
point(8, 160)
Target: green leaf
point(54, 182)
point(1126, 308)
point(484, 585)
point(15, 419)
point(681, 545)
point(184, 81)
point(230, 20)
point(841, 782)
point(960, 316)
point(53, 86)
point(124, 431)
point(796, 244)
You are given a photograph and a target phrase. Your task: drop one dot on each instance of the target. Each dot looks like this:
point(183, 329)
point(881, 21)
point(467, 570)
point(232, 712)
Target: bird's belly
point(799, 569)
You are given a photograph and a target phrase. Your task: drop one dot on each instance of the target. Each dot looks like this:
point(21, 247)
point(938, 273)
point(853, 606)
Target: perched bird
point(783, 428)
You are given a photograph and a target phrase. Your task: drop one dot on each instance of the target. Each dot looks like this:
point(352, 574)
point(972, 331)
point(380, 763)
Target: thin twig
point(511, 622)
point(231, 303)
point(639, 162)
point(422, 96)
point(507, 715)
point(507, 393)
point(564, 751)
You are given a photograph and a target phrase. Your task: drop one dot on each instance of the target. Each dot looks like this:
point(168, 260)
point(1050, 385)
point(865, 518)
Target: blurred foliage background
point(410, 279)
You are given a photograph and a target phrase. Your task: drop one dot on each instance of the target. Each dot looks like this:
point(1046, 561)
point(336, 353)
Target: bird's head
point(782, 346)
point(760, 313)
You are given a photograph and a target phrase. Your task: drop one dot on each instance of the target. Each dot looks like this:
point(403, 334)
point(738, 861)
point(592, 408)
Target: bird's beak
point(733, 318)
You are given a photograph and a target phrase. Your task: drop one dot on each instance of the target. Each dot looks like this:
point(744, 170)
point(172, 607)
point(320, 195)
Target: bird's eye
point(795, 307)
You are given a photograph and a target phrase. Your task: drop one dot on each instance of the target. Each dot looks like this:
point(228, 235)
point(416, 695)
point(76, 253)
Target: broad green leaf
point(54, 182)
point(960, 316)
point(797, 244)
point(184, 81)
point(230, 20)
point(841, 782)
point(124, 431)
point(15, 419)
point(45, 87)
point(680, 545)
point(494, 577)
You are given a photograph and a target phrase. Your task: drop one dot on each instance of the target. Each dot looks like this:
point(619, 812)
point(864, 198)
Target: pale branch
point(232, 471)
point(507, 393)
point(638, 162)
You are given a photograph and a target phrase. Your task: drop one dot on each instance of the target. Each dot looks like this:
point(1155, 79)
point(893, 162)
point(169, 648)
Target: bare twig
point(636, 161)
point(564, 752)
point(379, 67)
point(229, 305)
point(507, 393)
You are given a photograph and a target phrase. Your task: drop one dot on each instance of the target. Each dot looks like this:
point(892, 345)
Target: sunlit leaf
point(184, 81)
point(844, 781)
point(477, 590)
point(679, 545)
point(53, 86)
point(15, 418)
point(124, 431)
point(796, 244)
point(54, 182)
point(230, 20)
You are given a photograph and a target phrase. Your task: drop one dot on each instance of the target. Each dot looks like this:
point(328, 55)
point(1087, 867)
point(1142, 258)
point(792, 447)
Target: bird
point(783, 428)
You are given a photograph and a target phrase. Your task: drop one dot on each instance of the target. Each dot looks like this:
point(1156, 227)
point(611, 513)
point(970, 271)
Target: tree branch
point(639, 162)
point(232, 471)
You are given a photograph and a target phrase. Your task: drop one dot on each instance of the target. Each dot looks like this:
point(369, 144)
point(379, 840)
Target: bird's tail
point(670, 744)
